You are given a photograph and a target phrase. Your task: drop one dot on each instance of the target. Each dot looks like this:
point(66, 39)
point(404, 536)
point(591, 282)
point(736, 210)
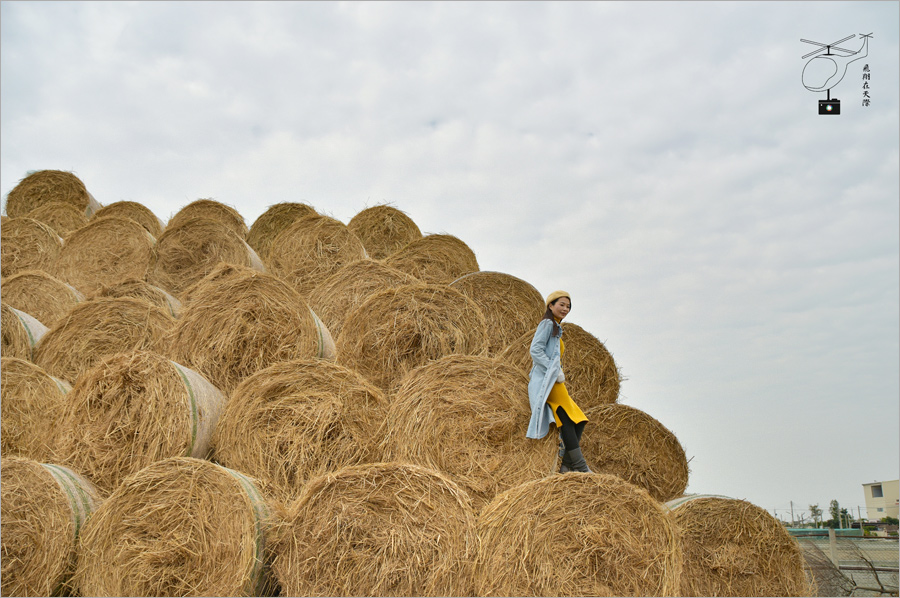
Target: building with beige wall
point(881, 499)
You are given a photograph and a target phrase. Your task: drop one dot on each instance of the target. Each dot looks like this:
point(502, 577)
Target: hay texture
point(511, 306)
point(734, 548)
point(311, 249)
point(384, 230)
point(578, 534)
point(26, 244)
point(141, 289)
point(105, 252)
point(132, 409)
point(435, 259)
point(349, 287)
point(45, 297)
point(624, 441)
point(271, 222)
point(401, 328)
point(466, 416)
point(179, 527)
point(21, 333)
point(99, 328)
point(62, 217)
point(213, 210)
point(44, 508)
point(299, 419)
point(32, 403)
point(238, 321)
point(137, 212)
point(384, 529)
point(190, 250)
point(46, 186)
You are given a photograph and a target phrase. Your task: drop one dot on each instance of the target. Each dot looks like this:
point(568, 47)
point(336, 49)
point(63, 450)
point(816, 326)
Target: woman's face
point(560, 308)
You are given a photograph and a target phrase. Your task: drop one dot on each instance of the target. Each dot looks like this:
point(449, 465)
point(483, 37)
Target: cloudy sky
point(736, 251)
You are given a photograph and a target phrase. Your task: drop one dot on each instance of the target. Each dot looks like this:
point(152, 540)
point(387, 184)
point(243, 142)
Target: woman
point(547, 390)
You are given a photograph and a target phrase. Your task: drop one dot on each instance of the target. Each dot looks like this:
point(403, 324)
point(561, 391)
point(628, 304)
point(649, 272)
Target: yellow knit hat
point(556, 295)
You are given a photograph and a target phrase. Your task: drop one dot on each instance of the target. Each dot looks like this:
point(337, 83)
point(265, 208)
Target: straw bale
point(466, 416)
point(214, 210)
point(45, 186)
point(21, 333)
point(104, 252)
point(401, 328)
point(384, 529)
point(191, 249)
point(44, 507)
point(62, 217)
point(311, 249)
point(238, 321)
point(734, 548)
point(384, 230)
point(347, 288)
point(137, 212)
point(578, 534)
point(295, 420)
point(271, 222)
point(26, 244)
point(100, 327)
point(32, 403)
point(438, 259)
point(45, 297)
point(179, 527)
point(141, 289)
point(511, 306)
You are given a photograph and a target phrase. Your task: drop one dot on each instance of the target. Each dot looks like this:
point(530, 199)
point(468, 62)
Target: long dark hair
point(548, 315)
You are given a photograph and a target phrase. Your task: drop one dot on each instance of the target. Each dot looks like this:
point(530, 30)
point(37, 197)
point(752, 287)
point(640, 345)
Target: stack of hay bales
point(46, 186)
point(26, 244)
point(44, 296)
point(31, 408)
point(271, 222)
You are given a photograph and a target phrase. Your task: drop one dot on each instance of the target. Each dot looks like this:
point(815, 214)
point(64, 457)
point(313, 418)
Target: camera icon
point(832, 106)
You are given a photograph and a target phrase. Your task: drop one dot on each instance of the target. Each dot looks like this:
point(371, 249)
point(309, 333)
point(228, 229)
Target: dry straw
point(132, 409)
point(26, 244)
point(45, 186)
point(401, 328)
point(45, 297)
point(21, 333)
point(577, 534)
point(349, 287)
point(384, 529)
point(141, 289)
point(62, 217)
point(734, 548)
point(105, 252)
point(511, 306)
point(98, 328)
point(435, 259)
point(624, 441)
point(213, 210)
point(384, 230)
point(44, 508)
point(137, 212)
point(32, 403)
point(296, 420)
point(271, 222)
point(179, 527)
point(311, 249)
point(466, 416)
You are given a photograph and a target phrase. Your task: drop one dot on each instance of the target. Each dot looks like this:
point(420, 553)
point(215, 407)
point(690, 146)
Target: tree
point(815, 512)
point(834, 509)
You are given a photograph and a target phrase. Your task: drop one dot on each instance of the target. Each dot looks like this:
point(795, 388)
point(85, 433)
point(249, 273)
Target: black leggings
point(570, 431)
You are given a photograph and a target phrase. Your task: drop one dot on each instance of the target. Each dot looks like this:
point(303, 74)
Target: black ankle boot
point(577, 462)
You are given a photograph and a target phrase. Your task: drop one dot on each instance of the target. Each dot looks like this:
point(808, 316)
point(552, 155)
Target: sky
point(736, 251)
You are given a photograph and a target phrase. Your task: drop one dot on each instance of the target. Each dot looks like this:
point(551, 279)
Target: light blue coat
point(546, 358)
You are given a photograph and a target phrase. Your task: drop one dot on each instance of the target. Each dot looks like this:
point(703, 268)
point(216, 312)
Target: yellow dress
point(559, 397)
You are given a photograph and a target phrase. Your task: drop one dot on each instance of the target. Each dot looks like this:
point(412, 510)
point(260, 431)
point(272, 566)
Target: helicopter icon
point(824, 71)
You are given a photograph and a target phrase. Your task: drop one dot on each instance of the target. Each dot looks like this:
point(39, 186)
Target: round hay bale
point(511, 306)
point(384, 230)
point(437, 259)
point(62, 217)
point(26, 244)
point(295, 420)
point(238, 321)
point(104, 252)
point(44, 507)
point(311, 249)
point(385, 529)
point(45, 186)
point(141, 289)
point(213, 210)
point(624, 441)
point(591, 373)
point(21, 333)
point(190, 250)
point(401, 328)
point(45, 297)
point(466, 416)
point(734, 548)
point(578, 534)
point(132, 409)
point(179, 527)
point(99, 328)
point(347, 288)
point(137, 212)
point(271, 222)
point(32, 403)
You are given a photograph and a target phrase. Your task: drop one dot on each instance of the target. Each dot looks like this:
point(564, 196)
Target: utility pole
point(792, 514)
